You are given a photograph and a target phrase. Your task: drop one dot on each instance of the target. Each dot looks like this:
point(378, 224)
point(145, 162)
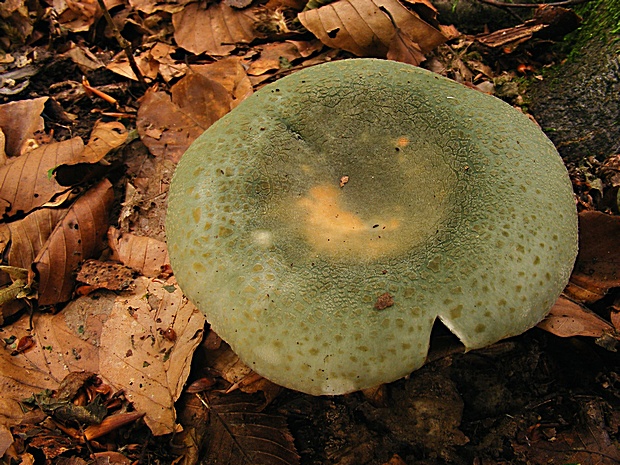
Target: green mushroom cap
point(324, 224)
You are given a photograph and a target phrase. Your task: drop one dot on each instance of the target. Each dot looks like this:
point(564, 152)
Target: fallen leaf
point(106, 275)
point(362, 28)
point(568, 319)
point(587, 441)
point(240, 433)
point(597, 268)
point(74, 15)
point(27, 182)
point(117, 337)
point(144, 254)
point(168, 125)
point(152, 368)
point(19, 121)
point(231, 74)
point(215, 30)
point(274, 56)
point(548, 22)
point(104, 138)
point(168, 6)
point(66, 342)
point(25, 238)
point(77, 237)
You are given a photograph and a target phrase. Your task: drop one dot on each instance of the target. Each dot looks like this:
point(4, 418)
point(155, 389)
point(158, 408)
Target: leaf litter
point(128, 332)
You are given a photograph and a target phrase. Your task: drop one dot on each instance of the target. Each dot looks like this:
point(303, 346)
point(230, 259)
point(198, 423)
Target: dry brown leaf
point(307, 47)
point(136, 348)
point(97, 274)
point(147, 66)
point(231, 74)
point(404, 49)
point(362, 28)
point(274, 56)
point(104, 138)
point(85, 59)
point(168, 68)
point(25, 238)
point(77, 237)
point(168, 6)
point(597, 268)
point(117, 337)
point(27, 182)
point(65, 342)
point(74, 15)
point(144, 254)
point(215, 30)
point(19, 121)
point(155, 60)
point(568, 319)
point(230, 367)
point(167, 126)
point(240, 433)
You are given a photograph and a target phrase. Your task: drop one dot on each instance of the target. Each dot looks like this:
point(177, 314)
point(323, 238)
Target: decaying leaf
point(144, 254)
point(74, 15)
point(568, 319)
point(363, 28)
point(597, 268)
point(77, 237)
point(27, 182)
point(588, 441)
point(274, 56)
point(548, 21)
point(28, 114)
point(137, 356)
point(230, 367)
point(121, 338)
point(167, 126)
point(95, 274)
point(239, 433)
point(231, 74)
point(168, 6)
point(215, 30)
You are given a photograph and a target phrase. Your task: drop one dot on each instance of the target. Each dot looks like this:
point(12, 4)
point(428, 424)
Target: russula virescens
point(326, 222)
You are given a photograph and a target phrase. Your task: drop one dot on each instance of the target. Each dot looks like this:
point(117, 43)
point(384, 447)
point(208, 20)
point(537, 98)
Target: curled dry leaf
point(167, 126)
point(77, 237)
point(151, 368)
point(19, 121)
point(144, 254)
point(597, 268)
point(362, 28)
point(215, 30)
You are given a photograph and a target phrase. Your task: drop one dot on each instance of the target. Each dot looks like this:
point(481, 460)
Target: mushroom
point(456, 206)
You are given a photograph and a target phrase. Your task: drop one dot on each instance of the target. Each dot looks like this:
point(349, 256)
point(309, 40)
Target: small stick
point(125, 45)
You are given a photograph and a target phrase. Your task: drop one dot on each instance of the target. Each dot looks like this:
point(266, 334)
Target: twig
point(125, 45)
point(531, 5)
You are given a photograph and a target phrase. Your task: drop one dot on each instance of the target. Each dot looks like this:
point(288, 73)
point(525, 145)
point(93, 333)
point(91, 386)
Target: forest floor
point(90, 146)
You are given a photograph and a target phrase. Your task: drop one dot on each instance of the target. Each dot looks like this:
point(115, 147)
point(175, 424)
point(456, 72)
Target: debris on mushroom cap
point(457, 207)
